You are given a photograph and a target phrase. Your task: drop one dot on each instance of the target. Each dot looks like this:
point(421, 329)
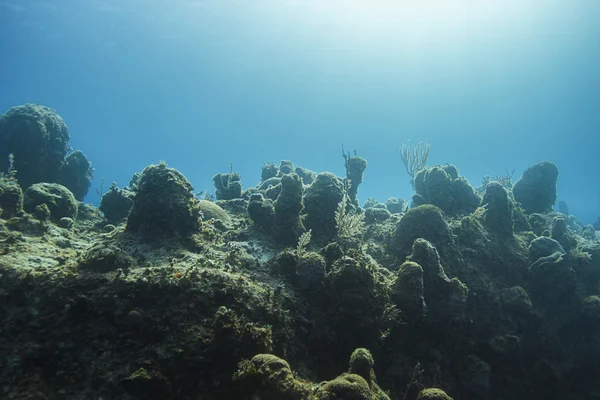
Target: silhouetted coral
point(536, 189)
point(77, 174)
point(321, 200)
point(116, 203)
point(228, 186)
point(38, 138)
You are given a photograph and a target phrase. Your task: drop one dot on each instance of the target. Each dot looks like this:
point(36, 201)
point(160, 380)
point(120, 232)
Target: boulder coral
point(407, 291)
point(11, 198)
point(164, 204)
point(427, 222)
point(38, 138)
point(445, 297)
point(499, 210)
point(536, 189)
point(59, 199)
point(321, 200)
point(77, 174)
point(443, 187)
point(228, 186)
point(116, 203)
point(288, 225)
point(34, 142)
point(261, 211)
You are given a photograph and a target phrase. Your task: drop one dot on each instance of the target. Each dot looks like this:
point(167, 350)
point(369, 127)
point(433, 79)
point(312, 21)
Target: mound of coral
point(289, 290)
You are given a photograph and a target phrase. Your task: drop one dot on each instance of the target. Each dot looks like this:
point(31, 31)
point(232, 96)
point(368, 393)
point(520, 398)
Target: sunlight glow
point(418, 19)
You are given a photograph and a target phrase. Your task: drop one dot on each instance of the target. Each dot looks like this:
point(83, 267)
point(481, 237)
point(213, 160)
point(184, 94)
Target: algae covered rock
point(228, 186)
point(355, 168)
point(361, 363)
point(590, 310)
point(11, 198)
point(517, 299)
point(560, 232)
point(77, 174)
point(286, 167)
point(346, 387)
point(407, 291)
point(373, 215)
point(427, 222)
point(105, 258)
point(396, 205)
point(445, 297)
point(544, 246)
point(320, 203)
point(536, 189)
point(433, 394)
point(310, 270)
point(288, 226)
point(261, 211)
point(59, 199)
point(269, 170)
point(116, 203)
point(269, 377)
point(442, 187)
point(147, 384)
point(307, 176)
point(499, 210)
point(38, 138)
point(163, 204)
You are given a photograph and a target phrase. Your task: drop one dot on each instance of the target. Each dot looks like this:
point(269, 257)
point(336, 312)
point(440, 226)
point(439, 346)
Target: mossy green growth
point(407, 291)
point(346, 387)
point(361, 363)
point(433, 394)
point(143, 383)
point(310, 270)
point(269, 377)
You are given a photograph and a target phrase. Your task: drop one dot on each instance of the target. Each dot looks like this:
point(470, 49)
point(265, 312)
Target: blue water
point(491, 85)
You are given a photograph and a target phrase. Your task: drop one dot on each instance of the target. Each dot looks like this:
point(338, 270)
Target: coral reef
point(290, 291)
